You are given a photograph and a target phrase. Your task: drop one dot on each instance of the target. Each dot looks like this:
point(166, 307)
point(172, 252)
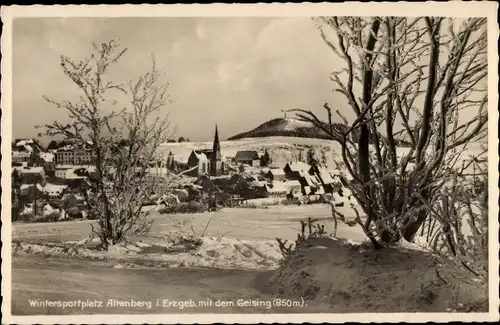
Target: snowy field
point(259, 224)
point(232, 238)
point(281, 149)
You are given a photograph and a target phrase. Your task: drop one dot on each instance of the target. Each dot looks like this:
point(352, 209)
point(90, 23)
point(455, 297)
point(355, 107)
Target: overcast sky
point(237, 72)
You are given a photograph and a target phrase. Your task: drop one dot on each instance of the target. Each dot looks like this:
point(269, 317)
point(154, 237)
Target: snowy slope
point(289, 127)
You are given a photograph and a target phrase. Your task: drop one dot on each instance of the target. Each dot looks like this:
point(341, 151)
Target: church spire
point(216, 149)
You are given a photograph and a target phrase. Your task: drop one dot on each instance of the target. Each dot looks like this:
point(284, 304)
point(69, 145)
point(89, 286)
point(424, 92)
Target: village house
point(31, 175)
point(293, 170)
point(84, 171)
point(64, 156)
point(70, 155)
point(247, 157)
point(177, 161)
point(198, 163)
point(276, 174)
point(20, 157)
point(310, 183)
point(83, 156)
point(54, 191)
point(61, 171)
point(25, 151)
point(48, 162)
point(31, 192)
point(206, 161)
point(27, 145)
point(208, 187)
point(323, 175)
point(74, 151)
point(280, 189)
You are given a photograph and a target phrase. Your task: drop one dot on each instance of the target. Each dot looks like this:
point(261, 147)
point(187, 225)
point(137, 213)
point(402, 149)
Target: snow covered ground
point(215, 252)
point(281, 149)
point(234, 238)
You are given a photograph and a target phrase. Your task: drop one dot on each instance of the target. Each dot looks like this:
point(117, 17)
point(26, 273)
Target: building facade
point(75, 156)
point(32, 175)
point(61, 171)
point(247, 157)
point(20, 157)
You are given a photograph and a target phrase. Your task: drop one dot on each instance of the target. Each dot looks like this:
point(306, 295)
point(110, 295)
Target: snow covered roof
point(27, 143)
point(31, 170)
point(320, 190)
point(26, 186)
point(70, 174)
point(70, 144)
point(298, 166)
point(291, 183)
point(200, 155)
point(20, 154)
point(247, 155)
point(311, 180)
point(67, 147)
point(47, 156)
point(337, 178)
point(258, 183)
point(24, 142)
point(277, 171)
point(334, 172)
point(326, 176)
point(283, 187)
point(62, 167)
point(53, 189)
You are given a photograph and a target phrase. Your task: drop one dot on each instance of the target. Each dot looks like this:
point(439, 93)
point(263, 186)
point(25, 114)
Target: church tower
point(216, 158)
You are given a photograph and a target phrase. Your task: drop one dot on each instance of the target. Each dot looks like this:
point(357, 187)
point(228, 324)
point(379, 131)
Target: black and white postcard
point(250, 163)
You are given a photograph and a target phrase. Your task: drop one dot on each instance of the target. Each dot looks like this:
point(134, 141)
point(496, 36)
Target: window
point(202, 167)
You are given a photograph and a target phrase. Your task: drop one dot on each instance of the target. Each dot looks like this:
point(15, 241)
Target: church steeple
point(216, 155)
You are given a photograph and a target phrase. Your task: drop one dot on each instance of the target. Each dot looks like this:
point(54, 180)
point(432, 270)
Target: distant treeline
point(181, 139)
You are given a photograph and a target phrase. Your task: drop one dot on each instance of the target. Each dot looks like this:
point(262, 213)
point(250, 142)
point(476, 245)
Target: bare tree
point(123, 141)
point(407, 80)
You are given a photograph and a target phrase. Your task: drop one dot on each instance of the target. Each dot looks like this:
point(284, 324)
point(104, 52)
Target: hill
point(290, 127)
point(287, 127)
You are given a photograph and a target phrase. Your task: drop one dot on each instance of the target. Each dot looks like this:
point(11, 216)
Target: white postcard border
point(454, 8)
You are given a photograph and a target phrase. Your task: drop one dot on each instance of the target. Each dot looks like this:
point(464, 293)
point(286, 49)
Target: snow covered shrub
point(183, 207)
point(123, 135)
point(314, 230)
point(408, 81)
point(458, 227)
